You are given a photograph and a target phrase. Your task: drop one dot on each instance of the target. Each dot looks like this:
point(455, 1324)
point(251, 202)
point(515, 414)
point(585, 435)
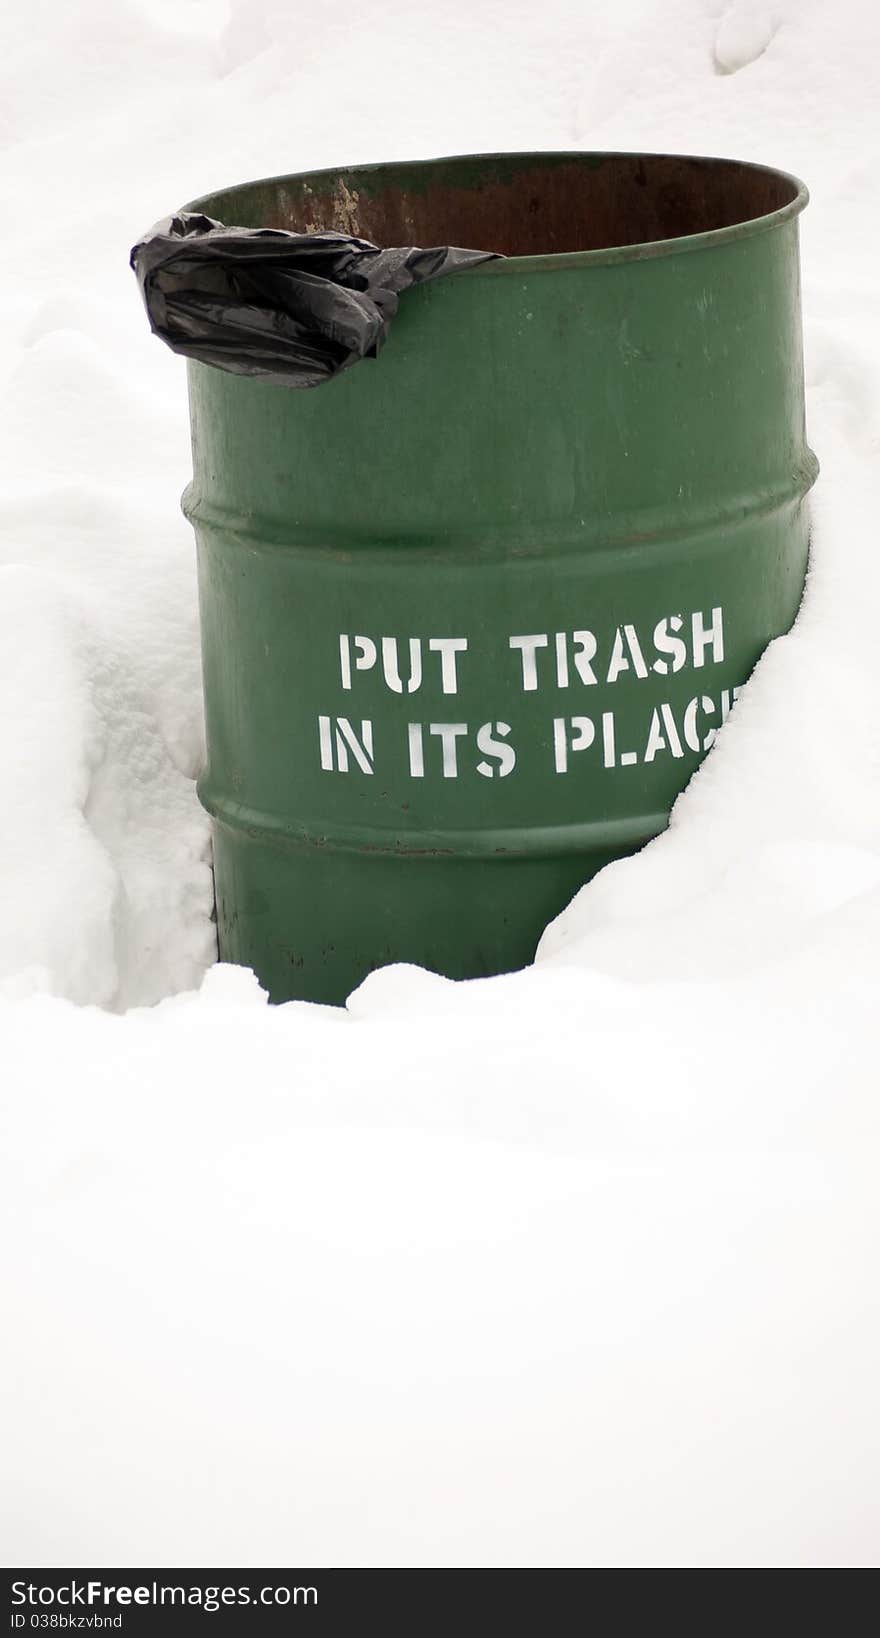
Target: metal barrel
point(474, 612)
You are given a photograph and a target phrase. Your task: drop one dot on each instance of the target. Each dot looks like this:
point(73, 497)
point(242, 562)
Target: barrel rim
point(570, 259)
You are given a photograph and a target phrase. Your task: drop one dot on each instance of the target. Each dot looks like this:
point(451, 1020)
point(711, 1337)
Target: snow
point(570, 1267)
point(743, 33)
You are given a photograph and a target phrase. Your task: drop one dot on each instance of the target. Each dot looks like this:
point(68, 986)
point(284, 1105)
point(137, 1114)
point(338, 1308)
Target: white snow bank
point(574, 1266)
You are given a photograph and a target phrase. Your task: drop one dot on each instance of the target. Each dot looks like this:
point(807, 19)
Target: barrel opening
point(518, 204)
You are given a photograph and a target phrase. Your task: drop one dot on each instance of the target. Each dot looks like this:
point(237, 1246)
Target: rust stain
point(541, 210)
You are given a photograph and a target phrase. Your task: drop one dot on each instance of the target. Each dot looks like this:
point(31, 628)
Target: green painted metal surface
point(473, 612)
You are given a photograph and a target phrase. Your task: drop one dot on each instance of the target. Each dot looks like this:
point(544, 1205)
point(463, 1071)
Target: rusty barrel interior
point(555, 205)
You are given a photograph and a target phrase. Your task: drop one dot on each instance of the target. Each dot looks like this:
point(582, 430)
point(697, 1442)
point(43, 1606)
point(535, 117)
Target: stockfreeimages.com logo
point(107, 1602)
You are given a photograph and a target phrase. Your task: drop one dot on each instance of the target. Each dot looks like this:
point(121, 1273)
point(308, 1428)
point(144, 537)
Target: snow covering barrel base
point(474, 611)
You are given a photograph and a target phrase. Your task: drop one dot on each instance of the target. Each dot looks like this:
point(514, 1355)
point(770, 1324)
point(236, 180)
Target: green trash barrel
point(473, 612)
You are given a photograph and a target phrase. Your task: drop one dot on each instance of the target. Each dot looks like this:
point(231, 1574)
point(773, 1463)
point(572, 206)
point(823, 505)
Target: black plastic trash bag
point(296, 307)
